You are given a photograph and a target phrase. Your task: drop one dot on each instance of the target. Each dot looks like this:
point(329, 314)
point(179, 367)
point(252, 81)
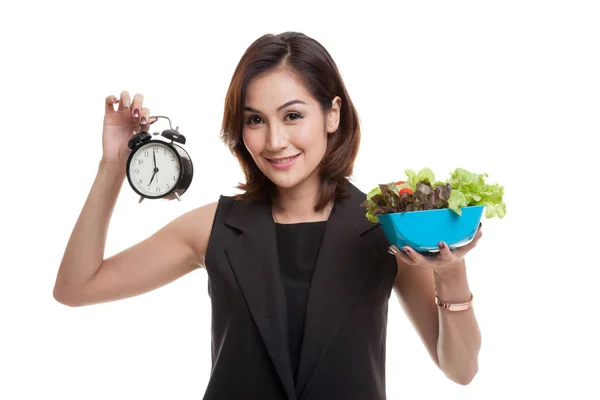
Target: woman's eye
point(294, 116)
point(253, 120)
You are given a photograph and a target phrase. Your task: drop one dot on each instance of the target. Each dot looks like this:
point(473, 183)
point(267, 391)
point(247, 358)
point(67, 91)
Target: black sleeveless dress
point(298, 246)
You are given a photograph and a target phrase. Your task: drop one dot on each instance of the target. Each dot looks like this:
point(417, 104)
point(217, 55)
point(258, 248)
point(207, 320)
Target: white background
point(509, 88)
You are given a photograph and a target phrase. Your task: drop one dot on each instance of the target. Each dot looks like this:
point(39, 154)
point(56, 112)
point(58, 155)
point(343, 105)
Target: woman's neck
point(297, 204)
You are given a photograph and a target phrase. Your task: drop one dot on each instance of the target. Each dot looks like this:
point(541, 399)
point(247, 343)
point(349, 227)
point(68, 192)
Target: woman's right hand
point(121, 124)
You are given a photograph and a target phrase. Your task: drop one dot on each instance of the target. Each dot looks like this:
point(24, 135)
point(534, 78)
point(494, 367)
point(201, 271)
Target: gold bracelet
point(454, 306)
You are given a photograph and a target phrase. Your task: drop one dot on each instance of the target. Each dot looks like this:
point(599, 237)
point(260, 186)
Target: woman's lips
point(283, 162)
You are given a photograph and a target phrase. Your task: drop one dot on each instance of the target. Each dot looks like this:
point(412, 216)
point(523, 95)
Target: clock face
point(154, 169)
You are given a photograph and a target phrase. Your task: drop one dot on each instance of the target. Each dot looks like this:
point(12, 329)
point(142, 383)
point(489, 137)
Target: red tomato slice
point(400, 183)
point(405, 190)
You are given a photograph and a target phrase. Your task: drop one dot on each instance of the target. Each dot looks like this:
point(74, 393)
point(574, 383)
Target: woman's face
point(285, 129)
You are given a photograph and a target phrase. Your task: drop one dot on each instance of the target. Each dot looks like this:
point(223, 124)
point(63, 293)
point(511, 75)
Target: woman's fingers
point(139, 114)
point(439, 261)
point(136, 105)
point(400, 255)
point(445, 252)
point(110, 102)
point(125, 102)
point(414, 255)
point(144, 118)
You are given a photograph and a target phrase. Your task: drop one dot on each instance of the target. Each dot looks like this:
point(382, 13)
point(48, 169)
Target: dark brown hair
point(315, 68)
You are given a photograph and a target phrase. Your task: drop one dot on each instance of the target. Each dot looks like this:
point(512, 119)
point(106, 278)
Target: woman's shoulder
point(204, 216)
point(209, 210)
point(356, 215)
point(210, 214)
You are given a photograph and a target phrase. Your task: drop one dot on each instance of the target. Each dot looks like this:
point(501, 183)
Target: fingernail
point(126, 104)
point(143, 121)
point(392, 250)
point(136, 113)
point(480, 224)
point(406, 250)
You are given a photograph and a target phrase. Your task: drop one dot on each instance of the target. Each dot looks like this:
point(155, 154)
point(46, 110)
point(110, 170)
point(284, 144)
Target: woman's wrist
point(111, 169)
point(452, 285)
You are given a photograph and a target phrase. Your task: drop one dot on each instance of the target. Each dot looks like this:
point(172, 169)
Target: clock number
point(146, 153)
point(140, 180)
point(157, 189)
point(140, 161)
point(168, 186)
point(173, 177)
point(165, 150)
point(137, 171)
point(172, 157)
point(177, 168)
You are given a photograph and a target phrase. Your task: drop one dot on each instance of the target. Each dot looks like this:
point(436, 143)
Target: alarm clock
point(158, 169)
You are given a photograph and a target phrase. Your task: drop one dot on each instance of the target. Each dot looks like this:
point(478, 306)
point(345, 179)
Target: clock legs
point(170, 197)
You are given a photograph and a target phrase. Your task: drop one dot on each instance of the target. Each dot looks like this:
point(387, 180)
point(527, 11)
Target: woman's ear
point(332, 121)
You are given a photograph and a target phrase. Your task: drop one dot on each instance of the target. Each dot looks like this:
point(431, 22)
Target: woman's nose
point(276, 139)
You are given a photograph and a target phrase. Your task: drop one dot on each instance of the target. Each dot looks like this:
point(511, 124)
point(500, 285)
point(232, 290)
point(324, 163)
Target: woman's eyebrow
point(289, 103)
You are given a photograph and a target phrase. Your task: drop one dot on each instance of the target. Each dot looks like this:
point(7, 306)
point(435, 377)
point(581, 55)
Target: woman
point(299, 279)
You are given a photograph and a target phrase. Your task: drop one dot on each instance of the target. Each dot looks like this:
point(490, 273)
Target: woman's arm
point(85, 277)
point(452, 338)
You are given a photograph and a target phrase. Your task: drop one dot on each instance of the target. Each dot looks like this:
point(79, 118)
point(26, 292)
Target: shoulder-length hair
point(314, 66)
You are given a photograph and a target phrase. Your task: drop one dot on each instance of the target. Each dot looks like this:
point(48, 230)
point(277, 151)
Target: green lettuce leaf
point(476, 192)
point(425, 174)
point(456, 201)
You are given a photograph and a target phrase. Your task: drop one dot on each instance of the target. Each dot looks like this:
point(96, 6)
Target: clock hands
point(151, 179)
point(155, 168)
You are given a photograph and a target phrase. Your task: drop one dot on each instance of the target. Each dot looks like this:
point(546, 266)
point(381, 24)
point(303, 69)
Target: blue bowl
point(422, 230)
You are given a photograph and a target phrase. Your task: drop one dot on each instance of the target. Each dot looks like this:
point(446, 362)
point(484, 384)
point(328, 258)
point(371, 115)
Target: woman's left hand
point(440, 263)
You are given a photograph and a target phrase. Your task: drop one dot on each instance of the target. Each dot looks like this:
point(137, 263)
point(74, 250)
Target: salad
point(421, 191)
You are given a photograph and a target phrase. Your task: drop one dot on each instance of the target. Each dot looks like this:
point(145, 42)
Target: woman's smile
point(282, 162)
